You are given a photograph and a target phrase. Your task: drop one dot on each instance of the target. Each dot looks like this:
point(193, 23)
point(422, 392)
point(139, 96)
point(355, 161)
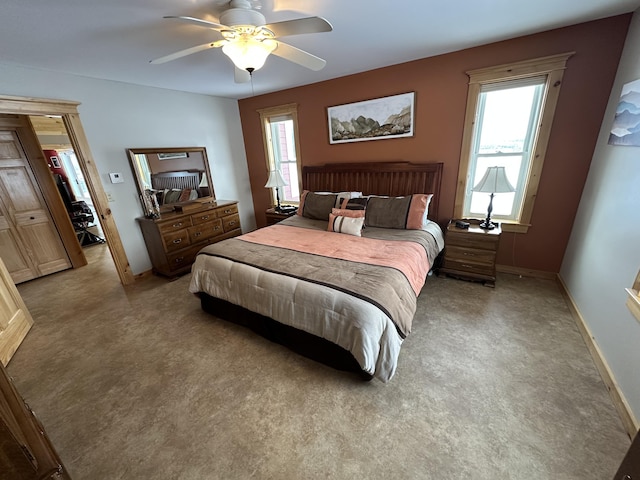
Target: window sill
point(633, 303)
point(515, 227)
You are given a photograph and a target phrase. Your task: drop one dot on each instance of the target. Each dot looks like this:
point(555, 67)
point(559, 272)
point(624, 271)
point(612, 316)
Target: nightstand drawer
point(468, 267)
point(471, 255)
point(488, 242)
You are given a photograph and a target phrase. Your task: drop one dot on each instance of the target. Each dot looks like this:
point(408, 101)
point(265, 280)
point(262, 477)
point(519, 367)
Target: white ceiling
point(115, 39)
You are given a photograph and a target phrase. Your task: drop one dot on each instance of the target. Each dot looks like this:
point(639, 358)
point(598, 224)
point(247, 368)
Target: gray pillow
point(387, 212)
point(318, 207)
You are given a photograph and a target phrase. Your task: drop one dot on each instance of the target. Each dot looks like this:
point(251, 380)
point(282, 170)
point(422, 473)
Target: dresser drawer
point(231, 222)
point(484, 242)
point(228, 210)
point(183, 258)
point(203, 217)
point(174, 225)
point(176, 240)
point(468, 267)
point(470, 255)
point(201, 232)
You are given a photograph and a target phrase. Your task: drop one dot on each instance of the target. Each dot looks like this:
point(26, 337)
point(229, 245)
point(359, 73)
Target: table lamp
point(494, 181)
point(276, 180)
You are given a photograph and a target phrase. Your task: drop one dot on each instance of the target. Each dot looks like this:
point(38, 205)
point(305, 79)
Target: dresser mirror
point(172, 176)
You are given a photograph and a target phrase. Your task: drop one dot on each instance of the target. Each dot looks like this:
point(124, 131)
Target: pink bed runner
point(408, 257)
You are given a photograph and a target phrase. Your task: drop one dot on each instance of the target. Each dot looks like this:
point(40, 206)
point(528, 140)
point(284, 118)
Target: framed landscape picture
point(377, 119)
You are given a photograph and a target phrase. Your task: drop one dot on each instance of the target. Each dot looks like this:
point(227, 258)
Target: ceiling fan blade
point(200, 22)
point(299, 26)
point(298, 56)
point(241, 76)
point(188, 51)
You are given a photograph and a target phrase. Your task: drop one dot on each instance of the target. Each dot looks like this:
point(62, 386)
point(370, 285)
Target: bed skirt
point(299, 341)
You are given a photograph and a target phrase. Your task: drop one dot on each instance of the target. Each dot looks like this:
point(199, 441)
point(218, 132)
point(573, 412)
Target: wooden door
point(29, 242)
point(26, 453)
point(15, 319)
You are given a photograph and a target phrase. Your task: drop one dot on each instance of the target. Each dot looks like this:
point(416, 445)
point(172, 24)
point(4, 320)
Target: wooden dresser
point(174, 239)
point(471, 253)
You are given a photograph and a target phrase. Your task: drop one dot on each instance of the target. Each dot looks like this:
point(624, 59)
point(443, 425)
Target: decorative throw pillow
point(341, 198)
point(316, 206)
point(348, 225)
point(359, 203)
point(172, 196)
point(398, 212)
point(348, 213)
point(185, 195)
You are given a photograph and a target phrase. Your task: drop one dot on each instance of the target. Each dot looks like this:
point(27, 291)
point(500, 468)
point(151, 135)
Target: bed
point(341, 290)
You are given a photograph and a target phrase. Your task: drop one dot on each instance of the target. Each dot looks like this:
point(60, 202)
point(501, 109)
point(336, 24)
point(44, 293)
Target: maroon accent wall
point(440, 84)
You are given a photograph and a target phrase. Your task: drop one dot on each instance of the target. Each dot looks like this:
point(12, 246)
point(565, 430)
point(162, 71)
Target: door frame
point(68, 110)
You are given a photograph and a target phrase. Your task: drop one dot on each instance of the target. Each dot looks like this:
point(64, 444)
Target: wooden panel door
point(25, 224)
point(15, 319)
point(26, 453)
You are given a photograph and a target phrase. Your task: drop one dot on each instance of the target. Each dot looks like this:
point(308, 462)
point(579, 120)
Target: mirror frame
point(131, 152)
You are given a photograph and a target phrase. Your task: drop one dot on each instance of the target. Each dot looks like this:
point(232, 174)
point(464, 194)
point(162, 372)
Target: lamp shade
point(275, 180)
point(494, 181)
point(247, 53)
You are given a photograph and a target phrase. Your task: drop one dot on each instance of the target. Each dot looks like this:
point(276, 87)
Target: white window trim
point(266, 114)
point(553, 67)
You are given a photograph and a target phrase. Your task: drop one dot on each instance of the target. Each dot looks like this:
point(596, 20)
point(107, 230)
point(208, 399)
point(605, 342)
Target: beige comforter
point(365, 308)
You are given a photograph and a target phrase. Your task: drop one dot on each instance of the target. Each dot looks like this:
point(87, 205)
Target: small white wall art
point(626, 124)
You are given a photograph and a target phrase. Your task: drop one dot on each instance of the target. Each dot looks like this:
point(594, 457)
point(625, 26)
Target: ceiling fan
point(247, 40)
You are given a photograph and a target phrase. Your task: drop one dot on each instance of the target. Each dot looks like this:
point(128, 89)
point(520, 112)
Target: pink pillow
point(348, 213)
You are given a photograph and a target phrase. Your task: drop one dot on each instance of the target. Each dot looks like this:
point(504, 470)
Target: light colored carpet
point(139, 383)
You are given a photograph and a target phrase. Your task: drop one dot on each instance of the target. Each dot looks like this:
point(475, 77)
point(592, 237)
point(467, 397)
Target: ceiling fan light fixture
point(247, 52)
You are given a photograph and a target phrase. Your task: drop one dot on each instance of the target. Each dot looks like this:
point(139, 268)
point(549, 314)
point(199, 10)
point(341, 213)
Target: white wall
point(603, 255)
point(117, 116)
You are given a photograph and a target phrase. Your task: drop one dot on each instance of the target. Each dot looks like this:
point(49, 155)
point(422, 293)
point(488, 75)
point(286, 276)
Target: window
point(280, 135)
point(510, 109)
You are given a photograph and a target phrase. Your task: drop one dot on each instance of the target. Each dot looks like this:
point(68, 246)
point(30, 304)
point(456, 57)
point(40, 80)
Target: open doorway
point(65, 168)
point(67, 111)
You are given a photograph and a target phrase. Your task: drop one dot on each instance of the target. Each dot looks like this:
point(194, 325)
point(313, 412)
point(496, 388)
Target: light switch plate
point(116, 177)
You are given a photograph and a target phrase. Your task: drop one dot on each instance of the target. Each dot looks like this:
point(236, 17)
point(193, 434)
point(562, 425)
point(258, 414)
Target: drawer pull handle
point(469, 254)
point(217, 227)
point(197, 234)
point(232, 223)
point(179, 224)
point(179, 259)
point(177, 240)
point(467, 266)
point(204, 217)
point(228, 210)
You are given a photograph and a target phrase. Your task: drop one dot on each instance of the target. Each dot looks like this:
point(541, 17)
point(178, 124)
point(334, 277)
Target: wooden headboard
point(175, 180)
point(377, 178)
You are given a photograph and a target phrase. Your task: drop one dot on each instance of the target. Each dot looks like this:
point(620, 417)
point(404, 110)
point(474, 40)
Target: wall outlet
point(109, 197)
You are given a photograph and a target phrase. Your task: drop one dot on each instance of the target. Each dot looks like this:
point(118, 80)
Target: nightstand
point(274, 217)
point(470, 253)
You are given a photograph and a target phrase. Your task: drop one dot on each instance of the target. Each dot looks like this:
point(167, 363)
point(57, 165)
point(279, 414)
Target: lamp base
point(487, 225)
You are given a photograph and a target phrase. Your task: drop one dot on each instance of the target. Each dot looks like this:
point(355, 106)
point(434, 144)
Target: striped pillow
point(348, 213)
point(348, 225)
